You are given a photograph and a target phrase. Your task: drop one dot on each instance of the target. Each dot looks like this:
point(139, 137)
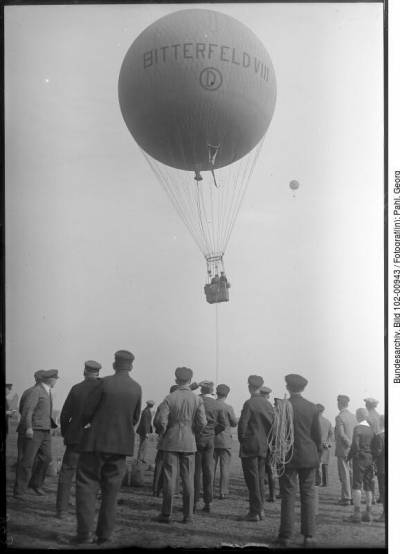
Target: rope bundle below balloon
point(281, 435)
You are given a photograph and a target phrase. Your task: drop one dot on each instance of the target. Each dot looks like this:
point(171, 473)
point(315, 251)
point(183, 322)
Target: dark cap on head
point(123, 360)
point(50, 374)
point(255, 381)
point(320, 407)
point(150, 403)
point(8, 385)
point(92, 367)
point(194, 385)
point(38, 374)
point(222, 390)
point(183, 373)
point(206, 386)
point(265, 390)
point(343, 398)
point(295, 383)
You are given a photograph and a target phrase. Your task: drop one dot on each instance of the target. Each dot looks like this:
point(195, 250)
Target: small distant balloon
point(294, 185)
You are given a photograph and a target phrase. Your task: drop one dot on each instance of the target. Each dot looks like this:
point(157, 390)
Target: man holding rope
point(302, 461)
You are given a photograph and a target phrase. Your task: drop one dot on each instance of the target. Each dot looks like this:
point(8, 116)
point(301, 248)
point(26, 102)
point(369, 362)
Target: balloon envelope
point(197, 86)
point(294, 185)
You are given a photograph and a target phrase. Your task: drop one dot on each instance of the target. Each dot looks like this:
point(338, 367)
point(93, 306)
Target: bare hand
point(29, 433)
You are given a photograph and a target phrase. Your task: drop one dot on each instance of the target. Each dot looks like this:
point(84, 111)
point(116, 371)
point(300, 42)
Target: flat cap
point(320, 407)
point(183, 373)
point(223, 390)
point(207, 385)
point(38, 374)
point(295, 383)
point(194, 385)
point(343, 397)
point(265, 390)
point(50, 374)
point(371, 401)
point(9, 385)
point(150, 402)
point(255, 381)
point(92, 366)
point(123, 359)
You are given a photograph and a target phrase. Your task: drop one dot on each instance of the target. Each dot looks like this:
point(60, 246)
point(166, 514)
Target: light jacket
point(224, 439)
point(344, 425)
point(326, 437)
point(179, 416)
point(36, 410)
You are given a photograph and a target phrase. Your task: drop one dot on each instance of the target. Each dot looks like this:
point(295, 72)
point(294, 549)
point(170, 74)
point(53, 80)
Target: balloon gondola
point(197, 91)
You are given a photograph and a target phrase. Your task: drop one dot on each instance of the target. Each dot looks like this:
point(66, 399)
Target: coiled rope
point(281, 436)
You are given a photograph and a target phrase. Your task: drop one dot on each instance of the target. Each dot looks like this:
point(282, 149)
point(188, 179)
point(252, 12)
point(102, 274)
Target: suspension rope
point(216, 345)
point(281, 436)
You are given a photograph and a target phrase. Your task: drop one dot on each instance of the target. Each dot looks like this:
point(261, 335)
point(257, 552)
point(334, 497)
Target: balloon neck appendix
point(197, 91)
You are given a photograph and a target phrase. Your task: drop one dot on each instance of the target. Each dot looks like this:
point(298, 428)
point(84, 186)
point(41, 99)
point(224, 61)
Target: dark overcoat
point(145, 427)
point(307, 446)
point(113, 409)
point(254, 426)
point(73, 408)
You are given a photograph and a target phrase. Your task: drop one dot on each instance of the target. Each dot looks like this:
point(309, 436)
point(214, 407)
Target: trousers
point(223, 456)
point(66, 476)
point(288, 488)
point(98, 469)
point(204, 471)
point(254, 473)
point(142, 451)
point(33, 462)
point(344, 476)
point(172, 462)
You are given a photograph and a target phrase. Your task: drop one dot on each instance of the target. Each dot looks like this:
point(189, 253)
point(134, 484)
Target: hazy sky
point(97, 259)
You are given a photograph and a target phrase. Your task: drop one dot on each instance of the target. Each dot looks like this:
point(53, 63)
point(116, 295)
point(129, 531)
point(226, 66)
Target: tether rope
point(281, 436)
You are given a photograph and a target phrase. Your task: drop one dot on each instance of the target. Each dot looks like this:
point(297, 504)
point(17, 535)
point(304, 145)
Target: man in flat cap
point(265, 393)
point(9, 410)
point(35, 426)
point(373, 414)
point(344, 425)
point(223, 442)
point(301, 463)
point(254, 425)
point(326, 438)
point(143, 430)
point(178, 417)
point(204, 460)
point(111, 412)
point(72, 430)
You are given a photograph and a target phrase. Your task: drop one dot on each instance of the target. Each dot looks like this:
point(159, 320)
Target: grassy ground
point(31, 524)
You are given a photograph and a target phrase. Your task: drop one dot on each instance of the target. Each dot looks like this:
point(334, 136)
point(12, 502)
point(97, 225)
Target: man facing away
point(344, 425)
point(112, 410)
point(265, 392)
point(301, 464)
point(223, 442)
point(72, 430)
point(204, 459)
point(254, 426)
point(35, 428)
point(143, 430)
point(363, 469)
point(178, 417)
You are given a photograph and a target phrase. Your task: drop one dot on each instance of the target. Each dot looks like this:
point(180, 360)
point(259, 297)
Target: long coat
point(72, 410)
point(113, 409)
point(36, 410)
point(326, 438)
point(254, 425)
point(179, 416)
point(307, 444)
point(224, 439)
point(344, 425)
point(144, 427)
